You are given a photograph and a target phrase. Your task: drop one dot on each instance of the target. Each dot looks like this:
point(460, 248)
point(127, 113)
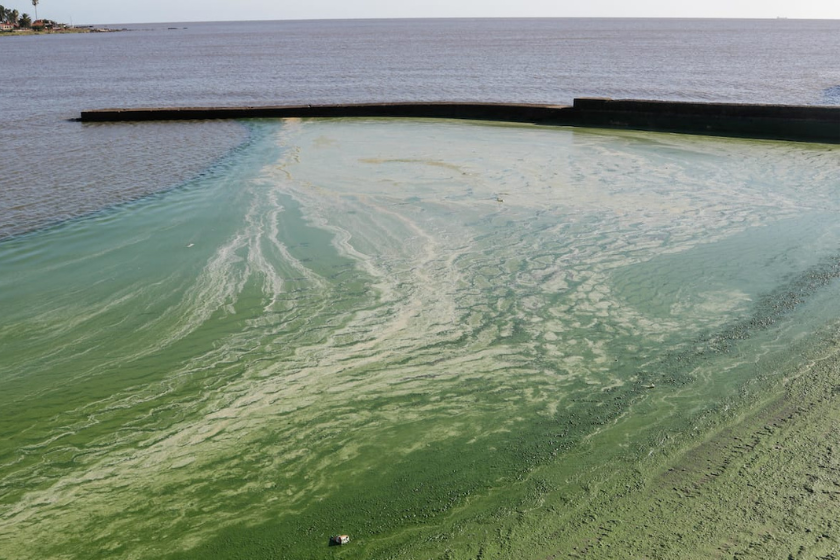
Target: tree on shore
point(9, 15)
point(24, 21)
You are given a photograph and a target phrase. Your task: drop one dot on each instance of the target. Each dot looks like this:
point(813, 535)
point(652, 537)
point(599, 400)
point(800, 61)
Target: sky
point(150, 11)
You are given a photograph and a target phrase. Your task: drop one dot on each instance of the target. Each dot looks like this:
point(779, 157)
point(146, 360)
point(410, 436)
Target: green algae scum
point(443, 339)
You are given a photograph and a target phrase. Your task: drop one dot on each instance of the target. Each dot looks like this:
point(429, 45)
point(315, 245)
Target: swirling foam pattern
point(386, 328)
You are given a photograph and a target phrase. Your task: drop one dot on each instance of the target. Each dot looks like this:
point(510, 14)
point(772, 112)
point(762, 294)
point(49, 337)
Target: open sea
point(234, 339)
point(54, 169)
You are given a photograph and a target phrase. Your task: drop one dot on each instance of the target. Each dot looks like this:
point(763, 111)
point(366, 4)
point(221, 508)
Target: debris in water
point(339, 539)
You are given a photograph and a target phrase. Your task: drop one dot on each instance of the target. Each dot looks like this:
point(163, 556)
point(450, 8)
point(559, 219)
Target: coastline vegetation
point(14, 22)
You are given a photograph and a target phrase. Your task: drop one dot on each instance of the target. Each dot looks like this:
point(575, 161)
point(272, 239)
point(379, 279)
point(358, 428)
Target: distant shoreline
point(70, 30)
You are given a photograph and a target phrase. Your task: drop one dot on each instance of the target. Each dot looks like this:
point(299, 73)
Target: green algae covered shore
point(766, 485)
point(444, 339)
point(762, 481)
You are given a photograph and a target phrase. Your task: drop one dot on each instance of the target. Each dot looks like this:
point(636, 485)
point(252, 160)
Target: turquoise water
point(385, 327)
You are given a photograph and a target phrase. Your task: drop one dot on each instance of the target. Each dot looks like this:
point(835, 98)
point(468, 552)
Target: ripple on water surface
point(92, 167)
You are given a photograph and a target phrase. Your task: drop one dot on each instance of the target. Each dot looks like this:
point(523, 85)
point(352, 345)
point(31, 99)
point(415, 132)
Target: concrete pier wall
point(782, 122)
point(475, 111)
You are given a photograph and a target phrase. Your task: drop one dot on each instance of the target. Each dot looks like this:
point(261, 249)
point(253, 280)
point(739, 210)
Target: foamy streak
point(500, 231)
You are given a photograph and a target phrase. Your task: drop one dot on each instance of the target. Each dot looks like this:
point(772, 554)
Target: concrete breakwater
point(781, 122)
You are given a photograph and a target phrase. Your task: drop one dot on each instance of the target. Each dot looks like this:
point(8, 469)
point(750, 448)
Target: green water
point(399, 330)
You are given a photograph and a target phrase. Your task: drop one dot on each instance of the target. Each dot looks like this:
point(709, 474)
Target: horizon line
point(421, 18)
